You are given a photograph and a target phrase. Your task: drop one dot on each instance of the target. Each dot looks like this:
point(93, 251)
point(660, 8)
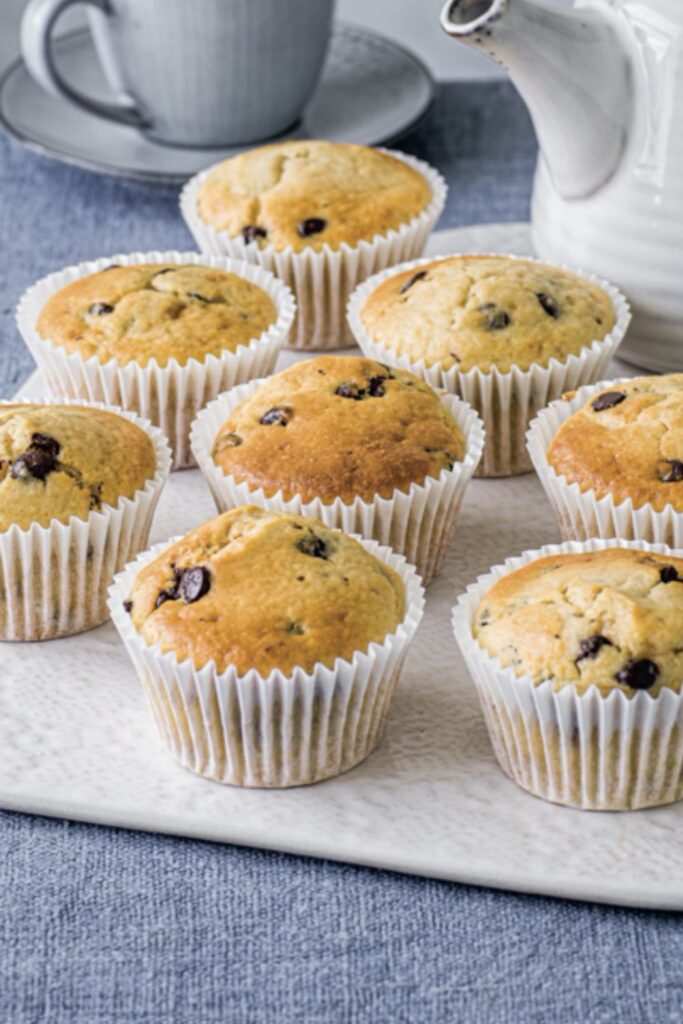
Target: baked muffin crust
point(156, 311)
point(58, 461)
point(339, 426)
point(627, 441)
point(265, 590)
point(611, 618)
point(486, 311)
point(307, 194)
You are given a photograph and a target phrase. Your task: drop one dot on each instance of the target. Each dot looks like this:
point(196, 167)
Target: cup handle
point(40, 17)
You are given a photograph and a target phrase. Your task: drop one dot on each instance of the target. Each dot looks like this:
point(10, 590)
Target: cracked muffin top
point(58, 461)
point(265, 590)
point(305, 195)
point(338, 426)
point(156, 311)
point(627, 441)
point(486, 311)
point(611, 619)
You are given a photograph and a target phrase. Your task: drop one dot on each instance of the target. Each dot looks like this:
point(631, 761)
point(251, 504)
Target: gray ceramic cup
point(188, 73)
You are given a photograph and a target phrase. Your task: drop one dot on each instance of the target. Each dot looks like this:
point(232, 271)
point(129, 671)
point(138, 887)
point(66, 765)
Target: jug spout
point(576, 72)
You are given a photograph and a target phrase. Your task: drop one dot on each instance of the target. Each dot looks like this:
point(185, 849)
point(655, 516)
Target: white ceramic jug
point(604, 85)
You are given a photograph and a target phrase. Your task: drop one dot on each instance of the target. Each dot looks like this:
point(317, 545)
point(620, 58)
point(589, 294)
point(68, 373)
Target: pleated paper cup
point(322, 281)
point(582, 514)
point(169, 396)
point(274, 731)
point(506, 402)
point(54, 579)
point(584, 750)
point(417, 523)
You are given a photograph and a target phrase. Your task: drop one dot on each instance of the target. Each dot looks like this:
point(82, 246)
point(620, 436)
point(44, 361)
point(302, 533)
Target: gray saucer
point(371, 91)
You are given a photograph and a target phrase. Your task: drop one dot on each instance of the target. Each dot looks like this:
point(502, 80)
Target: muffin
point(78, 488)
point(159, 333)
point(502, 332)
point(156, 311)
point(269, 644)
point(322, 215)
point(351, 441)
point(577, 653)
point(611, 459)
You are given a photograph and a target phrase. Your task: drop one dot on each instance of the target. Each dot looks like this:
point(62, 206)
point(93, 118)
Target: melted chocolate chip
point(498, 320)
point(276, 417)
point(295, 628)
point(39, 459)
point(193, 584)
point(675, 473)
point(100, 309)
point(589, 647)
point(376, 387)
point(419, 276)
point(311, 226)
point(668, 574)
point(548, 305)
point(128, 607)
point(164, 596)
point(639, 674)
point(313, 546)
point(250, 232)
point(608, 400)
point(349, 389)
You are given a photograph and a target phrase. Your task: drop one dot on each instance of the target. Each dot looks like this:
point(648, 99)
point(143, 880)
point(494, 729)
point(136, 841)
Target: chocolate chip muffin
point(263, 590)
point(626, 441)
point(338, 427)
point(59, 461)
point(481, 312)
point(309, 194)
point(152, 311)
point(611, 618)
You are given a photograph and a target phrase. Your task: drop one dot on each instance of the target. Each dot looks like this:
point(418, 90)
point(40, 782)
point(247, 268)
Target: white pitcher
point(604, 85)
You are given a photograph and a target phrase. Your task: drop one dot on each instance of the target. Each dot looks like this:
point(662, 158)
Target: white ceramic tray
point(76, 741)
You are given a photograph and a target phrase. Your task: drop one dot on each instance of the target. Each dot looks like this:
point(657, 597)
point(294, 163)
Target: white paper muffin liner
point(582, 514)
point(506, 402)
point(54, 579)
point(279, 730)
point(417, 524)
point(169, 396)
point(322, 281)
point(583, 750)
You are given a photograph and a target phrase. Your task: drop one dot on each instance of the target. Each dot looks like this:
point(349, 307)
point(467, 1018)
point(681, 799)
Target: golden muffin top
point(611, 619)
point(266, 590)
point(156, 311)
point(486, 311)
point(307, 194)
point(338, 426)
point(627, 441)
point(58, 461)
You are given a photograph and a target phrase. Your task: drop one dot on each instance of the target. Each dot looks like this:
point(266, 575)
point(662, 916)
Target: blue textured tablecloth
point(100, 926)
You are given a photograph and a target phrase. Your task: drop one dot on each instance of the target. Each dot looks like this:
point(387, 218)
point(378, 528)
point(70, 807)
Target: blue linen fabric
point(100, 925)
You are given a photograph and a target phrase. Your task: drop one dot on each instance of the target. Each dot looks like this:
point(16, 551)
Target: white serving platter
point(76, 740)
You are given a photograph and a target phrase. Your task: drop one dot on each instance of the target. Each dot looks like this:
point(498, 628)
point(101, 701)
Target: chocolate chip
point(376, 387)
point(164, 596)
point(276, 417)
point(313, 546)
point(608, 400)
point(675, 473)
point(497, 321)
point(100, 309)
point(311, 226)
point(419, 276)
point(639, 674)
point(128, 607)
point(193, 584)
point(39, 459)
point(549, 305)
point(294, 628)
point(250, 232)
point(589, 647)
point(349, 389)
point(668, 574)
